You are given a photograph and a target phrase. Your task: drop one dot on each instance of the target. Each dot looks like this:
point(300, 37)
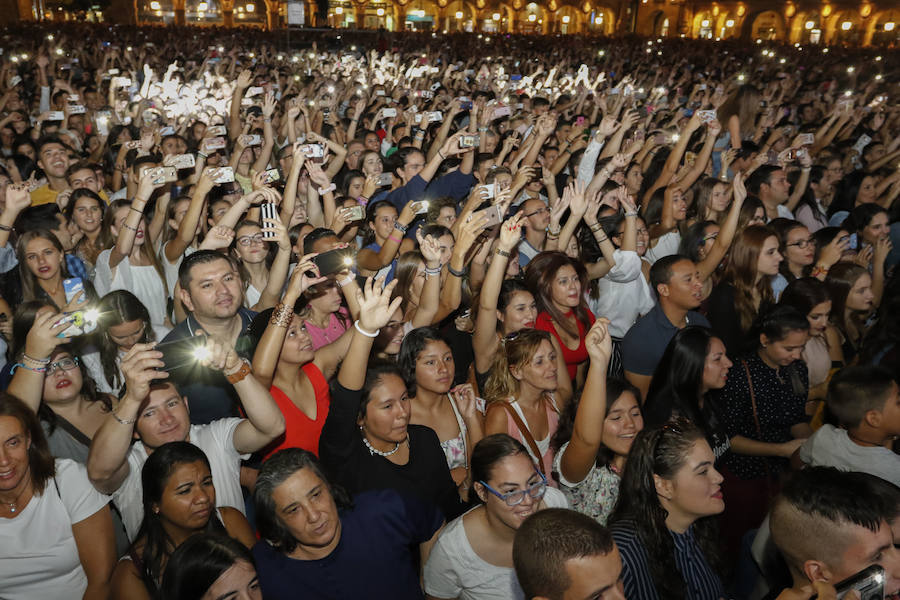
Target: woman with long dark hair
point(472, 558)
point(763, 408)
point(590, 459)
point(211, 565)
point(428, 368)
point(558, 283)
point(663, 523)
point(179, 501)
point(122, 323)
point(694, 364)
point(86, 210)
point(852, 303)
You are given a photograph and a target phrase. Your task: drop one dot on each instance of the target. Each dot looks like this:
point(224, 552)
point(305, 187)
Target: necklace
point(14, 505)
point(373, 450)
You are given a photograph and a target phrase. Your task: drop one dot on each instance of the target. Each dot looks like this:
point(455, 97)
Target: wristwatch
point(240, 374)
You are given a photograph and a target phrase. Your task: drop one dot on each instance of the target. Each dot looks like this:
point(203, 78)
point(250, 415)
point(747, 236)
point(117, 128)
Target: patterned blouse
point(596, 495)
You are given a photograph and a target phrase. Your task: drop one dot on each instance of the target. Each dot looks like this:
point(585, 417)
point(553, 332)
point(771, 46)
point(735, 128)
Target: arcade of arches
point(795, 21)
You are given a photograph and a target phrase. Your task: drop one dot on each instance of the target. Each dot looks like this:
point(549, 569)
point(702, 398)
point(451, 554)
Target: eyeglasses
point(538, 211)
point(66, 364)
point(515, 498)
point(706, 238)
point(802, 244)
point(246, 240)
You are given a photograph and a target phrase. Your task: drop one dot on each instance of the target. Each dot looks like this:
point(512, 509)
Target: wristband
point(434, 271)
point(631, 214)
point(456, 273)
point(202, 155)
point(345, 281)
point(330, 188)
point(5, 228)
point(135, 210)
point(129, 227)
point(441, 154)
point(364, 332)
point(394, 239)
point(400, 227)
point(240, 374)
point(123, 421)
point(43, 361)
point(595, 227)
point(24, 366)
point(502, 252)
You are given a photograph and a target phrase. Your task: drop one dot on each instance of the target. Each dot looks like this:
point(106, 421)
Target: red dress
point(575, 357)
point(300, 431)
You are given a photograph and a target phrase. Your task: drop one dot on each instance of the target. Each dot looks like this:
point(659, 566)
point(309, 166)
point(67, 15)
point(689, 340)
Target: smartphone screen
point(334, 261)
point(180, 354)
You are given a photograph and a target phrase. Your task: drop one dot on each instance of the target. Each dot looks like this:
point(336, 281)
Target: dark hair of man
point(661, 271)
point(199, 562)
point(275, 471)
point(43, 216)
point(50, 139)
point(314, 236)
point(762, 175)
point(201, 257)
point(854, 391)
point(546, 541)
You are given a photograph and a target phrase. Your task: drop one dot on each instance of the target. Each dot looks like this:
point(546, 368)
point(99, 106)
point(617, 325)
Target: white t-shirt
point(38, 555)
point(215, 439)
point(454, 570)
point(832, 447)
point(667, 245)
point(142, 281)
point(171, 269)
point(623, 294)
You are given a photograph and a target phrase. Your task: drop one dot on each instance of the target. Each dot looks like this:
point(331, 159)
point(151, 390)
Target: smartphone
point(868, 583)
point(166, 131)
point(224, 175)
point(216, 143)
point(313, 150)
point(501, 111)
point(660, 139)
point(469, 141)
point(73, 287)
point(76, 323)
point(422, 207)
point(271, 175)
point(55, 115)
point(215, 131)
point(435, 116)
point(465, 103)
point(354, 213)
point(253, 91)
point(334, 261)
point(787, 155)
point(267, 210)
point(253, 139)
point(515, 78)
point(389, 112)
point(488, 191)
point(494, 215)
point(76, 109)
point(385, 179)
point(182, 161)
point(182, 353)
point(806, 139)
point(163, 175)
point(706, 116)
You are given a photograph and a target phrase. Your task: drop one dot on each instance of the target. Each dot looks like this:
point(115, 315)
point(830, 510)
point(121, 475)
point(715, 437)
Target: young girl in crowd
point(558, 282)
point(86, 210)
point(123, 322)
point(472, 558)
point(428, 367)
point(852, 302)
point(179, 502)
point(663, 523)
point(745, 288)
point(211, 565)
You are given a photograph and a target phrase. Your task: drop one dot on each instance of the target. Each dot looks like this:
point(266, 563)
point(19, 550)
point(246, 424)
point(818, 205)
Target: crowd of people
point(446, 316)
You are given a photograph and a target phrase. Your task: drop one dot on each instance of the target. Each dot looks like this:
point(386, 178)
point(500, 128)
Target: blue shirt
point(210, 396)
point(700, 581)
point(373, 558)
point(646, 341)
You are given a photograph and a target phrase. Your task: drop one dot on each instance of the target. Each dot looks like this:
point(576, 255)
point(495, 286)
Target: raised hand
point(599, 343)
point(244, 79)
point(511, 233)
point(276, 227)
point(740, 190)
point(429, 247)
point(306, 274)
point(42, 338)
point(140, 369)
point(218, 237)
point(219, 355)
point(375, 305)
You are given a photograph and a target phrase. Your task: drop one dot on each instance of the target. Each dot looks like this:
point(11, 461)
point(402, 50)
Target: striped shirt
point(701, 581)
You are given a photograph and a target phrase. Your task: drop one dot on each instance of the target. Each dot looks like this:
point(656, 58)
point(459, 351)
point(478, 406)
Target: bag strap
point(752, 399)
point(526, 434)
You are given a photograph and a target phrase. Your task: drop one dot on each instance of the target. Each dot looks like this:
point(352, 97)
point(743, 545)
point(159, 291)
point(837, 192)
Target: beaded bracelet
point(429, 272)
point(631, 214)
point(43, 361)
point(123, 421)
point(281, 316)
point(502, 252)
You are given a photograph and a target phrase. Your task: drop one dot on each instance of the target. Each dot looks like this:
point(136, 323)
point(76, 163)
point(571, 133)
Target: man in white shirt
point(152, 413)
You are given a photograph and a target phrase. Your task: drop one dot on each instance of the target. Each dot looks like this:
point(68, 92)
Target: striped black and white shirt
point(702, 583)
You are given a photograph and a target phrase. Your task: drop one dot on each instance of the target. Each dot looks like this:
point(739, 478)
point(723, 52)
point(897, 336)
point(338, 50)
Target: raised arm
point(188, 227)
point(451, 293)
point(279, 269)
point(265, 153)
point(485, 336)
point(28, 379)
point(708, 265)
point(269, 348)
point(125, 238)
point(107, 462)
point(376, 308)
point(587, 433)
point(234, 115)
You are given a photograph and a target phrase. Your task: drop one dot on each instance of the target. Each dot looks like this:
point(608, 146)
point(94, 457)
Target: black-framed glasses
point(66, 364)
point(536, 491)
point(538, 211)
point(802, 244)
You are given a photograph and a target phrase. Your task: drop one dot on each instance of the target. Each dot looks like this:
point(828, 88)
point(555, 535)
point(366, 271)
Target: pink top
point(336, 327)
point(544, 444)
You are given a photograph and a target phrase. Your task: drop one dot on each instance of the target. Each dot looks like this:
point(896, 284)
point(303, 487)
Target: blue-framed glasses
point(515, 498)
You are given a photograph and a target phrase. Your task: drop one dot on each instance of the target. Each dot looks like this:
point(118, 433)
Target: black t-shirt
point(350, 463)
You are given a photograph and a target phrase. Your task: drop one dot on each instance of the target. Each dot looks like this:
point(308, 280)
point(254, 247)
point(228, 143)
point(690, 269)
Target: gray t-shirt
point(832, 447)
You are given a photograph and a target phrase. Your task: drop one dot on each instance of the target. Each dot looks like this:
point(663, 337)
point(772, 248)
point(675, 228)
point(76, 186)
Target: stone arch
point(765, 25)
